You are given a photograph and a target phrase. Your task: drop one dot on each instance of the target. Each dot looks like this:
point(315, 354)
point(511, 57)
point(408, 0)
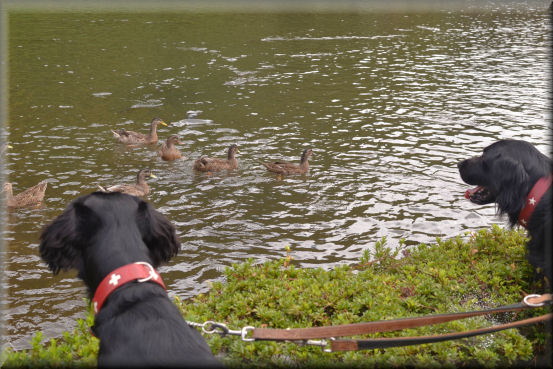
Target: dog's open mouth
point(479, 195)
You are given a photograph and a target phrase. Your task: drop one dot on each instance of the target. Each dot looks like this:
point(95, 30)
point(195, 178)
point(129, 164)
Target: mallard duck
point(205, 164)
point(168, 150)
point(282, 167)
point(140, 188)
point(135, 138)
point(32, 196)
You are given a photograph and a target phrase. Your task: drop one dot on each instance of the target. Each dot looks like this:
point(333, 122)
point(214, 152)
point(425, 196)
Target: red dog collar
point(533, 199)
point(140, 271)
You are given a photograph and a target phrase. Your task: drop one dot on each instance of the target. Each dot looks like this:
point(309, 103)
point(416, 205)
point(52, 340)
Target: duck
point(136, 138)
point(282, 167)
point(205, 164)
point(168, 150)
point(139, 189)
point(32, 196)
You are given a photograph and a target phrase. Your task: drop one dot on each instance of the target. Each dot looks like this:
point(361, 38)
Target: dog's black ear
point(511, 181)
point(157, 233)
point(63, 240)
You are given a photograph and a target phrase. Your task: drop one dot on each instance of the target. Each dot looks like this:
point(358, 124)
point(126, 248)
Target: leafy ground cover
point(480, 270)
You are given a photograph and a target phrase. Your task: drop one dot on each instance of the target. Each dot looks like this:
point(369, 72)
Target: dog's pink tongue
point(471, 191)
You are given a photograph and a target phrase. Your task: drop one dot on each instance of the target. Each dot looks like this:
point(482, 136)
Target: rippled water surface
point(388, 102)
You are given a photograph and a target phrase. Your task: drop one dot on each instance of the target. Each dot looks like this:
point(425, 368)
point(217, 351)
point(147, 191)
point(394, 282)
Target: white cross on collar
point(114, 280)
point(532, 201)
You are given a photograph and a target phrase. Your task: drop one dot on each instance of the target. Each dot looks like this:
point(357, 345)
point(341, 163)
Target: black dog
point(514, 174)
point(138, 325)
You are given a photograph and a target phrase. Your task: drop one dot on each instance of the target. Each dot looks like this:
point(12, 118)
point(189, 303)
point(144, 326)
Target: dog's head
point(99, 232)
point(504, 174)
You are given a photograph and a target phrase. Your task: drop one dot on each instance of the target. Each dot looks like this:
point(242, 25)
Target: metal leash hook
point(214, 326)
point(210, 327)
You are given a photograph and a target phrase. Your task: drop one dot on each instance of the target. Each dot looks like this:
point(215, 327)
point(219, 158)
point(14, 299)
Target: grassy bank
point(484, 269)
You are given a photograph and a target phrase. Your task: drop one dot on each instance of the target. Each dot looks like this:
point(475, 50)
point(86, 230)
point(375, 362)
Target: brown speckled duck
point(168, 149)
point(140, 188)
point(205, 164)
point(282, 167)
point(136, 138)
point(32, 196)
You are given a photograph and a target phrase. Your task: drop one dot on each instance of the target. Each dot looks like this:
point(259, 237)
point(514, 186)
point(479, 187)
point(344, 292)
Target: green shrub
point(79, 349)
point(485, 269)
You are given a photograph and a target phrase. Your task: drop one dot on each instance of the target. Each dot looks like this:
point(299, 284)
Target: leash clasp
point(211, 327)
point(153, 273)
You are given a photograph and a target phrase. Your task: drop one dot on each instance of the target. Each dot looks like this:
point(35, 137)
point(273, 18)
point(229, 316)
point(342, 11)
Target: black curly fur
point(508, 169)
point(138, 324)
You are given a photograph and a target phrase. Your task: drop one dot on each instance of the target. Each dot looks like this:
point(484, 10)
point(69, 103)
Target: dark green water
point(389, 102)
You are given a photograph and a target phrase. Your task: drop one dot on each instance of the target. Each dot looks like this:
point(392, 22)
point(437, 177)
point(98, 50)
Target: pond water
point(388, 102)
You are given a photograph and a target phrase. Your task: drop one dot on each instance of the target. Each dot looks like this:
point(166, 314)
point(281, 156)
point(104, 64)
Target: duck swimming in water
point(136, 138)
point(205, 164)
point(283, 167)
point(140, 188)
point(168, 149)
point(32, 196)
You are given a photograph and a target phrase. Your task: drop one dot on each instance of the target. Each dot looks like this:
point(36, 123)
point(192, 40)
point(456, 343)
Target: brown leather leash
point(304, 334)
point(351, 345)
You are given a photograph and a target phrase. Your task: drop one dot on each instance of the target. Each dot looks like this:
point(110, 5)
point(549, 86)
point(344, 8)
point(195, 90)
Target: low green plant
point(483, 269)
point(77, 349)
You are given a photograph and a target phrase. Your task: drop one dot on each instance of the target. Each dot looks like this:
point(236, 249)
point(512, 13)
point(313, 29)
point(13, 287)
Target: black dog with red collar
point(515, 176)
point(112, 237)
